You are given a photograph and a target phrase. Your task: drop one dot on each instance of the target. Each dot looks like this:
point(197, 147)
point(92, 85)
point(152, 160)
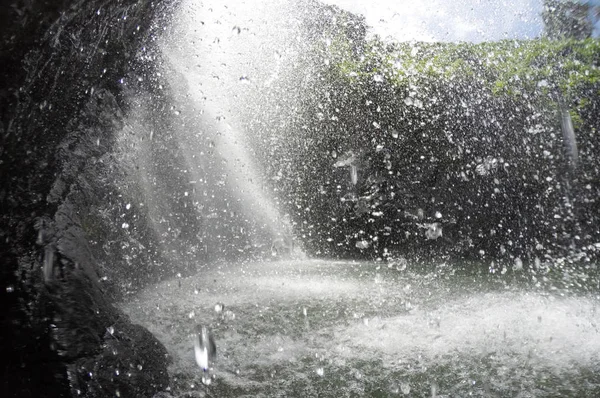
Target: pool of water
point(309, 328)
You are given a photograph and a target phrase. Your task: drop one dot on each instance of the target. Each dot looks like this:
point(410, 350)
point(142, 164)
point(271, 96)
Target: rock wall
point(65, 66)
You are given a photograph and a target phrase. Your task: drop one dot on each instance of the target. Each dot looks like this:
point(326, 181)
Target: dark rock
point(60, 105)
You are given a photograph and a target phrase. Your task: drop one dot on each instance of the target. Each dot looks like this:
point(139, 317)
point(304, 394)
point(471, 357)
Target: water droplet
point(206, 380)
point(205, 349)
point(362, 244)
point(229, 315)
point(10, 289)
point(125, 225)
point(219, 307)
point(405, 388)
point(518, 264)
point(320, 371)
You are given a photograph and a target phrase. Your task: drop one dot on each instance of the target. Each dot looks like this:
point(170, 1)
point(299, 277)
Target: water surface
point(332, 329)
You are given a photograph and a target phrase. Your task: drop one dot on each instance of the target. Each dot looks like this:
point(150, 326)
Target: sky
point(449, 20)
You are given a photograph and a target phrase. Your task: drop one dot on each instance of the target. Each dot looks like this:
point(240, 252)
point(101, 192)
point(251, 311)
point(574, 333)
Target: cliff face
point(486, 152)
point(65, 66)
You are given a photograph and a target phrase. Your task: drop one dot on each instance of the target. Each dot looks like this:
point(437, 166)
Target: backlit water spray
point(220, 58)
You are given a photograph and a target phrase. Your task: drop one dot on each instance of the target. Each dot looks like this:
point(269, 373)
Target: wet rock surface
point(61, 97)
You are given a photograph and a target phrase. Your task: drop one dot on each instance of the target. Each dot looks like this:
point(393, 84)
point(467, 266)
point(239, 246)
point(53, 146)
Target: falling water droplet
point(518, 264)
point(229, 315)
point(205, 349)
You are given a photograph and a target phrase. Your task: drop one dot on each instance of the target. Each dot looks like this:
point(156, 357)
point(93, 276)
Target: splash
point(221, 58)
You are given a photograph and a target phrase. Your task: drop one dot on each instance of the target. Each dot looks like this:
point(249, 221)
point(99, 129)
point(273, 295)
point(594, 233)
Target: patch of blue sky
point(457, 20)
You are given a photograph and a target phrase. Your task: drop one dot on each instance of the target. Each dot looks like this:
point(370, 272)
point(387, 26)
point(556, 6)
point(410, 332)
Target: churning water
point(335, 329)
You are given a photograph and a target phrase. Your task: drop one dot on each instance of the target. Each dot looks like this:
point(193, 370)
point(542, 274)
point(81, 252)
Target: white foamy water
point(339, 328)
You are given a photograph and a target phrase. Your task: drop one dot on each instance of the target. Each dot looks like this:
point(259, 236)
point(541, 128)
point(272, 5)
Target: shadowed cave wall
point(62, 101)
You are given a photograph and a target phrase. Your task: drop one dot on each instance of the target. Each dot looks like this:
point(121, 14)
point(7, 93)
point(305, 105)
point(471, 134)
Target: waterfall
point(218, 62)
